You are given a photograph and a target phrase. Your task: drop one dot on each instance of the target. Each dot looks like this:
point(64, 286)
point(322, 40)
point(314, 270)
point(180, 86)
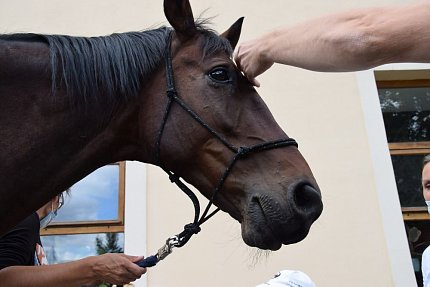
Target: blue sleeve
point(17, 247)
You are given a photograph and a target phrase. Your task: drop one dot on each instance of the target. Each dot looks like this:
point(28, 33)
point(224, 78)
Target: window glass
point(407, 170)
point(405, 107)
point(65, 248)
point(93, 198)
point(406, 113)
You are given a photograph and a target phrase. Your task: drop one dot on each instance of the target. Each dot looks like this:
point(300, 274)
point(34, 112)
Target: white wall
point(135, 212)
point(350, 245)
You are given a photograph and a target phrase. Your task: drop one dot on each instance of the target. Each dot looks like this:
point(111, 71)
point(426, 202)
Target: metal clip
point(167, 248)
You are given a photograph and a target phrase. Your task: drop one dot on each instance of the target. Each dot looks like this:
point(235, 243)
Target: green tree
point(109, 245)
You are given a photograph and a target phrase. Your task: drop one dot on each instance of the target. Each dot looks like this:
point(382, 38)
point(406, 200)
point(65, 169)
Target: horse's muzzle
point(271, 221)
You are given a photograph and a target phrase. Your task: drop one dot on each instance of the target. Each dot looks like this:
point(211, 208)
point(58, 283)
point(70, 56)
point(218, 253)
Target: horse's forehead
point(204, 48)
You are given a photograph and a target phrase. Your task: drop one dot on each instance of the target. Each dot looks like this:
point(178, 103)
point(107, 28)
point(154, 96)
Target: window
point(92, 217)
point(405, 107)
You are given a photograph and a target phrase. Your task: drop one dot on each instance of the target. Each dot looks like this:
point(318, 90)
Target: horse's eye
point(220, 75)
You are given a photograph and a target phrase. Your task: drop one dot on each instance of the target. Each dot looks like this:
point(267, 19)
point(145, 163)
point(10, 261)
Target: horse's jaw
point(269, 222)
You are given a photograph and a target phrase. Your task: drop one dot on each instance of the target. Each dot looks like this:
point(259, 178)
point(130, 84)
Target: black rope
point(203, 123)
point(170, 90)
point(177, 180)
point(241, 152)
point(161, 130)
point(192, 228)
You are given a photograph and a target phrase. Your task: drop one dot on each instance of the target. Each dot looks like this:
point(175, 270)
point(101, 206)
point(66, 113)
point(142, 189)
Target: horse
point(70, 105)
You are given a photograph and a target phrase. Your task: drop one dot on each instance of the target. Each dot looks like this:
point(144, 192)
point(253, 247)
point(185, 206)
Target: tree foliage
point(109, 244)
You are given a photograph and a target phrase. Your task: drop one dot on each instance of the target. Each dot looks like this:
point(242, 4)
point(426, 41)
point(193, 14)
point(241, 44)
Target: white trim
point(135, 239)
point(396, 241)
point(403, 67)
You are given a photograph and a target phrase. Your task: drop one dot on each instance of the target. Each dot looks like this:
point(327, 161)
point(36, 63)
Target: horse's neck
point(22, 56)
point(45, 145)
point(24, 86)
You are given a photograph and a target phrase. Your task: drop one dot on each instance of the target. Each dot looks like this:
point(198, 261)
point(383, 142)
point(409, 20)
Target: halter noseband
point(238, 152)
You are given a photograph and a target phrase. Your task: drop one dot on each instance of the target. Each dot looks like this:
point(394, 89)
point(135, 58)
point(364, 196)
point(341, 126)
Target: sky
point(93, 198)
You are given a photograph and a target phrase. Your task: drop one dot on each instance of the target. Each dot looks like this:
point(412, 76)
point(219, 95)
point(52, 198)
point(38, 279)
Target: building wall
point(358, 240)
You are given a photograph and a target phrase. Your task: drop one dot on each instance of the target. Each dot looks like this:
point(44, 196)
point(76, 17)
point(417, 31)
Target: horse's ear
point(233, 33)
point(180, 16)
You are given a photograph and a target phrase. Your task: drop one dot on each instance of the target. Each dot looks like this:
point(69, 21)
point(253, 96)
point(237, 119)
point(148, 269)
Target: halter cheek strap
point(190, 229)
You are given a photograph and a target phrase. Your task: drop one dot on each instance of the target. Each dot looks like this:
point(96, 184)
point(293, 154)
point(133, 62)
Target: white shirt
point(425, 267)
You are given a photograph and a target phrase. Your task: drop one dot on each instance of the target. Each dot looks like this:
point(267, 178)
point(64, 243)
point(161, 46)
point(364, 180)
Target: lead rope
point(190, 229)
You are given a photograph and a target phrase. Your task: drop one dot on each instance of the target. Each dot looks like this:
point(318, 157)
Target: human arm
point(111, 268)
point(346, 41)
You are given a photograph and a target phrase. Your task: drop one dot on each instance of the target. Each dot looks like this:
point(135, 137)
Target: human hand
point(117, 268)
point(251, 59)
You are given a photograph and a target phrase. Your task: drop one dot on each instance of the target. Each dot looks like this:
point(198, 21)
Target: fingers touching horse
point(72, 104)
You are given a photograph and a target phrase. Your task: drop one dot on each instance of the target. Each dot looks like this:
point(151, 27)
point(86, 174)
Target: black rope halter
point(238, 152)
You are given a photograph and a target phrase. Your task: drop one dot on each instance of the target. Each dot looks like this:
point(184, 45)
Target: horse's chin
point(266, 225)
point(262, 237)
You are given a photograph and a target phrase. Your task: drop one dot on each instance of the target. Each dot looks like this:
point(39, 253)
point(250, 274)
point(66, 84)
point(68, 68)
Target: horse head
point(217, 115)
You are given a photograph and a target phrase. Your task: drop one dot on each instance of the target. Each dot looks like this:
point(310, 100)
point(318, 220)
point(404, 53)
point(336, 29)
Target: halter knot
point(173, 177)
point(171, 93)
point(192, 228)
point(242, 151)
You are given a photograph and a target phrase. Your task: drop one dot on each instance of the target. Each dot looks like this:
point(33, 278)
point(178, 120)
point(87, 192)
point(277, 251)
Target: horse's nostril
point(307, 200)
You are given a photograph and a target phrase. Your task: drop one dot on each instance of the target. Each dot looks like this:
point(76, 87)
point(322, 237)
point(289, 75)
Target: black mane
point(101, 68)
point(108, 69)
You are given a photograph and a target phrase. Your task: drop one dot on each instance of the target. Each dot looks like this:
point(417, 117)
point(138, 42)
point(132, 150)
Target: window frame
point(408, 148)
point(96, 226)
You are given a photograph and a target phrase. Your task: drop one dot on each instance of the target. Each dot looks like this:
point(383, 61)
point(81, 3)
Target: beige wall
point(352, 244)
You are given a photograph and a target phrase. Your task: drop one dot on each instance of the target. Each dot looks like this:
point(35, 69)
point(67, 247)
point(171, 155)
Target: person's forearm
point(318, 46)
point(353, 40)
point(71, 274)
